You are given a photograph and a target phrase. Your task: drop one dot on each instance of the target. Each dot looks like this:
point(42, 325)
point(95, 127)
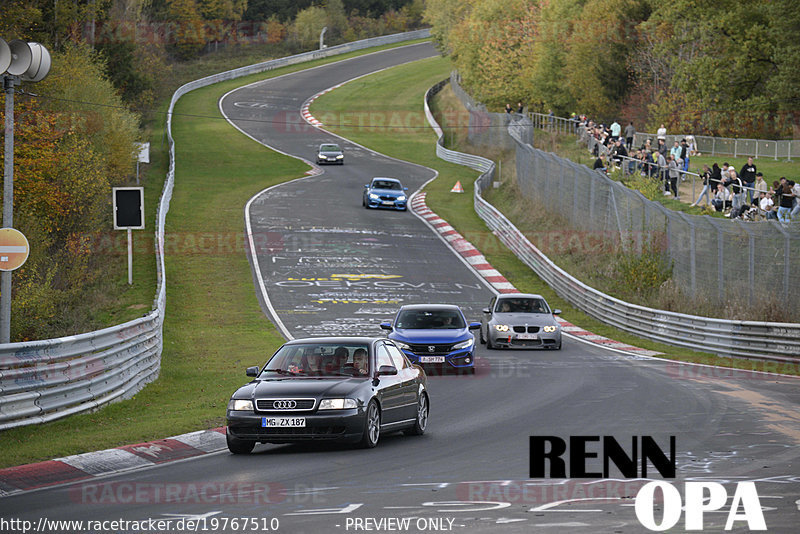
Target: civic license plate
point(388, 202)
point(281, 422)
point(527, 336)
point(431, 359)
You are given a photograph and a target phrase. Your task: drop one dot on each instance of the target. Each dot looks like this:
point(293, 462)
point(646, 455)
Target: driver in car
point(360, 363)
point(313, 362)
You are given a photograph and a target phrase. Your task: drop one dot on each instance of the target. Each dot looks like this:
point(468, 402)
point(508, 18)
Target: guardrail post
point(693, 257)
point(720, 266)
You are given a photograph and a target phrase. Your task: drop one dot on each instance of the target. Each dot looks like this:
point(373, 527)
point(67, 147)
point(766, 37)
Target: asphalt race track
point(470, 471)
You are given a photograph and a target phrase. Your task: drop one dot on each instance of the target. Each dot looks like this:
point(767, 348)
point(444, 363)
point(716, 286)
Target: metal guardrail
point(750, 339)
point(41, 381)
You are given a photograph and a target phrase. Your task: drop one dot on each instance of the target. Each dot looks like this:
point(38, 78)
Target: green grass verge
point(214, 327)
point(403, 87)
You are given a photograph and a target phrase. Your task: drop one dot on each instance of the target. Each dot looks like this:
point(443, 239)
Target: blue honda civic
point(385, 193)
point(434, 335)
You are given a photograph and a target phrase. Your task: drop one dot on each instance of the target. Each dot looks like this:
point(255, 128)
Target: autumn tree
point(308, 24)
point(72, 142)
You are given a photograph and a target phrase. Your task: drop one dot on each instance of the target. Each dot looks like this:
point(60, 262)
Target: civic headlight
point(464, 344)
point(240, 405)
point(337, 404)
point(501, 327)
point(373, 196)
point(401, 198)
point(550, 328)
point(402, 346)
point(340, 156)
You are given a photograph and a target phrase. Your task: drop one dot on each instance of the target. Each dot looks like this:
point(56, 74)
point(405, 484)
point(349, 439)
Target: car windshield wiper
point(281, 372)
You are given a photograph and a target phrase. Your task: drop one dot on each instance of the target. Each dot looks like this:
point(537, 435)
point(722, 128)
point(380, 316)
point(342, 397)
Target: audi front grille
point(285, 405)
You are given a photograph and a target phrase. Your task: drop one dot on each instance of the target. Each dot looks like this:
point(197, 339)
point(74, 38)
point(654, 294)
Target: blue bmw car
point(434, 334)
point(385, 193)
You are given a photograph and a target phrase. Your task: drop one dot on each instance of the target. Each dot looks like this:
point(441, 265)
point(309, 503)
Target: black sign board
point(128, 208)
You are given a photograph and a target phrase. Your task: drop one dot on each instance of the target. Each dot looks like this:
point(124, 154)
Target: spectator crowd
point(739, 194)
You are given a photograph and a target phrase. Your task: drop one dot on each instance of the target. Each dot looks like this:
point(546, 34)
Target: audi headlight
point(402, 346)
point(373, 196)
point(401, 198)
point(240, 405)
point(501, 327)
point(550, 328)
point(337, 404)
point(464, 344)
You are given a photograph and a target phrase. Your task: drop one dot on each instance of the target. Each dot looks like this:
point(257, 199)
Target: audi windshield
point(318, 359)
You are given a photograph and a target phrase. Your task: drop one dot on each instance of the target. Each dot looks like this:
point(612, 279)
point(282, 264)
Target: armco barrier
point(41, 381)
point(750, 339)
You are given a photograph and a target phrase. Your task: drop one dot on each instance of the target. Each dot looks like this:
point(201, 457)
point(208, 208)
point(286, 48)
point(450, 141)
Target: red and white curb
point(472, 255)
point(478, 262)
point(110, 461)
point(307, 116)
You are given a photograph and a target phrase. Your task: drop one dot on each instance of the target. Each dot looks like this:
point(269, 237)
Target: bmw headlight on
point(373, 196)
point(464, 344)
point(501, 327)
point(321, 156)
point(401, 198)
point(550, 328)
point(240, 405)
point(340, 156)
point(337, 404)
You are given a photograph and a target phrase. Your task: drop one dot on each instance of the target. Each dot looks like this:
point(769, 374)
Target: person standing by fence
point(795, 213)
point(787, 201)
point(661, 163)
point(674, 174)
point(706, 175)
point(748, 175)
point(684, 156)
point(630, 132)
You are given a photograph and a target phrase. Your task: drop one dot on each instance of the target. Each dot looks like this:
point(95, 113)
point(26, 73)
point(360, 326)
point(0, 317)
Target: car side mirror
point(252, 371)
point(386, 326)
point(405, 189)
point(486, 310)
point(388, 370)
point(366, 186)
point(556, 312)
point(474, 326)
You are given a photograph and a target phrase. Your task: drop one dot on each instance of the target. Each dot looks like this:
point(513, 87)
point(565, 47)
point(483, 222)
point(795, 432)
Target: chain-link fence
point(724, 261)
point(715, 258)
point(707, 145)
point(726, 146)
point(485, 129)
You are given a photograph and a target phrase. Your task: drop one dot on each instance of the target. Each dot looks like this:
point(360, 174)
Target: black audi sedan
point(347, 389)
